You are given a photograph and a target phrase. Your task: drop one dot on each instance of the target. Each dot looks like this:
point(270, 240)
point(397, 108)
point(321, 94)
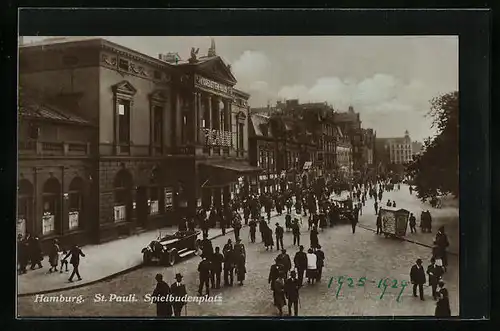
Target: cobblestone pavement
point(363, 254)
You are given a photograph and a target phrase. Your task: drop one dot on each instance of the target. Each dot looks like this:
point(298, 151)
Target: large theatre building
point(160, 138)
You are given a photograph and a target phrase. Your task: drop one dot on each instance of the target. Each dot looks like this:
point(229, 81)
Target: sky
point(389, 80)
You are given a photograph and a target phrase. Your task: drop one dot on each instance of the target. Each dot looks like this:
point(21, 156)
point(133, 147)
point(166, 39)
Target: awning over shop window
point(220, 174)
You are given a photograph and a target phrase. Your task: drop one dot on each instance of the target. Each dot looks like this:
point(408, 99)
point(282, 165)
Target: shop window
point(122, 191)
point(51, 203)
point(154, 201)
point(75, 203)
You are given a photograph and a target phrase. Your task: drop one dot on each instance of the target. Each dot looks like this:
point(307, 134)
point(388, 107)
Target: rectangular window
point(120, 213)
point(158, 125)
point(169, 200)
point(154, 201)
point(48, 223)
point(123, 64)
point(123, 121)
point(73, 220)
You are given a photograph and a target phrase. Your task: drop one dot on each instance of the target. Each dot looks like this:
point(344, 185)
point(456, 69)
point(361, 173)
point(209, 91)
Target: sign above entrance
point(208, 83)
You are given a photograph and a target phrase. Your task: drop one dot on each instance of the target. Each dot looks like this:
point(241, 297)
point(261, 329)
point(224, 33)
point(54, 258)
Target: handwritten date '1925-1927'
point(383, 284)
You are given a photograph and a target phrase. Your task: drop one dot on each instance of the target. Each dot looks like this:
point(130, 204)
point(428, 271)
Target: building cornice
point(134, 55)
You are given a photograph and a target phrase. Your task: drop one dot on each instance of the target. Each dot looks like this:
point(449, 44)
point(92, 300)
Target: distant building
point(393, 151)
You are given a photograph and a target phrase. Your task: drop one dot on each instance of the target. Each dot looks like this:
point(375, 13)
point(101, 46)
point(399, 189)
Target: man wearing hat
point(284, 260)
point(204, 268)
point(443, 303)
point(417, 277)
point(206, 247)
point(228, 263)
point(300, 261)
point(178, 290)
point(435, 272)
point(292, 286)
point(253, 228)
point(279, 236)
point(161, 295)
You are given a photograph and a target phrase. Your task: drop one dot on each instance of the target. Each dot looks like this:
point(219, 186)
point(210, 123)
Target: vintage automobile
point(345, 209)
point(394, 221)
point(169, 249)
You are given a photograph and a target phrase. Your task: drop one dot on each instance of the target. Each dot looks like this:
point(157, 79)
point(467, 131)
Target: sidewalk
point(447, 216)
point(101, 262)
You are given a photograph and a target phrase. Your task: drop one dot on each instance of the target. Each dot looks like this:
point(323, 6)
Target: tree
point(435, 172)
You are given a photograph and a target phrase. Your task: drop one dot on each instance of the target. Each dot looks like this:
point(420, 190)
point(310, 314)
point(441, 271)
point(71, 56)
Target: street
point(362, 254)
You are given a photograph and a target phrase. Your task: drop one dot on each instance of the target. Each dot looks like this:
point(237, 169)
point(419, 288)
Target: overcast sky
point(388, 80)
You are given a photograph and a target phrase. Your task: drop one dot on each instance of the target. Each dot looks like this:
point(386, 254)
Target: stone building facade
point(162, 129)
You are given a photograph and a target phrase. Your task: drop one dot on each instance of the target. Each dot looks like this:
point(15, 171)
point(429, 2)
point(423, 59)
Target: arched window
point(24, 206)
point(51, 207)
point(123, 196)
point(75, 203)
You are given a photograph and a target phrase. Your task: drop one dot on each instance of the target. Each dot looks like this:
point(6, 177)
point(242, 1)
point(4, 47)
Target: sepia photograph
point(255, 176)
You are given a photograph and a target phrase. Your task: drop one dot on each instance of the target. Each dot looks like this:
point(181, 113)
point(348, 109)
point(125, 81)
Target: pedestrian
point(353, 218)
point(241, 269)
point(228, 264)
point(292, 286)
point(268, 237)
point(279, 236)
point(54, 255)
point(389, 203)
point(288, 222)
point(236, 226)
point(279, 294)
point(246, 214)
point(205, 222)
point(178, 290)
point(379, 223)
point(64, 262)
point(320, 261)
point(417, 277)
point(75, 253)
point(262, 227)
point(35, 250)
point(413, 223)
point(435, 273)
point(411, 190)
point(312, 266)
point(253, 227)
point(217, 260)
point(204, 268)
point(284, 260)
point(274, 272)
point(443, 303)
point(161, 296)
point(296, 232)
point(22, 254)
point(442, 242)
point(300, 261)
point(206, 247)
point(313, 237)
point(394, 203)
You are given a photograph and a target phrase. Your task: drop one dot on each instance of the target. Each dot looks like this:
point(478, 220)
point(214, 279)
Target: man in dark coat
point(292, 286)
point(274, 272)
point(216, 271)
point(435, 273)
point(375, 205)
point(35, 252)
point(288, 222)
point(206, 247)
point(75, 253)
point(161, 294)
point(296, 232)
point(320, 261)
point(284, 260)
point(22, 254)
point(262, 227)
point(379, 223)
point(279, 236)
point(178, 290)
point(300, 261)
point(413, 223)
point(253, 228)
point(204, 269)
point(354, 219)
point(236, 226)
point(313, 236)
point(442, 242)
point(228, 264)
point(443, 303)
point(191, 224)
point(417, 277)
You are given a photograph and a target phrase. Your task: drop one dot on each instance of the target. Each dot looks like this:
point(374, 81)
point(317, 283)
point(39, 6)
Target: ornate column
point(201, 117)
point(210, 117)
point(196, 117)
point(217, 107)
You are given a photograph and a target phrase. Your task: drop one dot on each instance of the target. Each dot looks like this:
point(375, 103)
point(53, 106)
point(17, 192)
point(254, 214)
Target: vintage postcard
point(254, 176)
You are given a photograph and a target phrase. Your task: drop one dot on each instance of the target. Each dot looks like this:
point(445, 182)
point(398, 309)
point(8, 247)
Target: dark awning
point(220, 174)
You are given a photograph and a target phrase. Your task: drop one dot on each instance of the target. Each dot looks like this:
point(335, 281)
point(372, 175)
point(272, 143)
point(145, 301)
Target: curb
point(405, 239)
point(119, 273)
point(116, 274)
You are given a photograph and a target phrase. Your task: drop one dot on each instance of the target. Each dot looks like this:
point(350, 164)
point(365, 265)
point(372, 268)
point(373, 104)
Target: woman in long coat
point(279, 294)
point(314, 237)
point(443, 303)
point(54, 256)
point(241, 270)
point(268, 236)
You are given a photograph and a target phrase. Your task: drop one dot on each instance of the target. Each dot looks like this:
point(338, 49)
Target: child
point(64, 263)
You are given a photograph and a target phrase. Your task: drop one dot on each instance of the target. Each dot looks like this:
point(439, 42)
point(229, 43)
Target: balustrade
point(218, 138)
point(53, 148)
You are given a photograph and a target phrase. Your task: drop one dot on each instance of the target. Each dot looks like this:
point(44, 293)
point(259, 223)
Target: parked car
point(171, 248)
